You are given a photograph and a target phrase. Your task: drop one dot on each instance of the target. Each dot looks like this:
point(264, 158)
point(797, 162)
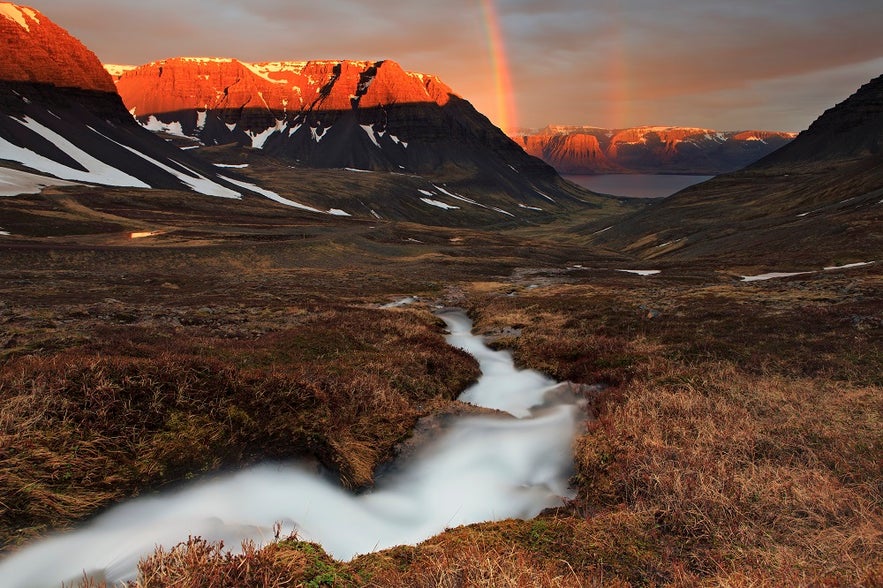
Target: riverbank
point(736, 442)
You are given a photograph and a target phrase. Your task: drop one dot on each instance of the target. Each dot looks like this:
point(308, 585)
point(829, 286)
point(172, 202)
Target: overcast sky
point(723, 64)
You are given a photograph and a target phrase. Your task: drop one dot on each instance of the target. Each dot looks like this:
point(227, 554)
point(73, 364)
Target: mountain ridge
point(370, 115)
point(649, 149)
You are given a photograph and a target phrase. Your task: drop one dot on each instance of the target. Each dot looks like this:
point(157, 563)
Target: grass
point(736, 440)
point(138, 408)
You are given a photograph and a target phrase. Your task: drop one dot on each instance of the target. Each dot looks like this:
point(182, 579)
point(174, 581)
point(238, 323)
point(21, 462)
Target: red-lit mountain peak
point(36, 50)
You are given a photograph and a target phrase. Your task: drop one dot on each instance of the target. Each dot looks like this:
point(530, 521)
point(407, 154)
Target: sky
point(719, 64)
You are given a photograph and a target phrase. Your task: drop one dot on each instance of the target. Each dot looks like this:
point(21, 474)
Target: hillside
point(817, 200)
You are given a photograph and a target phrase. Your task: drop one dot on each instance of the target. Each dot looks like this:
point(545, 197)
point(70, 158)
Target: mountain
point(819, 199)
point(651, 150)
point(363, 115)
point(62, 121)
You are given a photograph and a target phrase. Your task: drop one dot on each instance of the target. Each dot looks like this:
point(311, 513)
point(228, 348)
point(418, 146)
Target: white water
point(478, 469)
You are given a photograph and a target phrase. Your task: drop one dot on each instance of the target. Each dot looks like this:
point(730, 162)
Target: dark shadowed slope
point(817, 200)
point(61, 117)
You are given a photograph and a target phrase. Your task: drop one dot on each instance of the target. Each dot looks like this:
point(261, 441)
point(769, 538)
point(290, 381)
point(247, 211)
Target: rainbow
point(506, 115)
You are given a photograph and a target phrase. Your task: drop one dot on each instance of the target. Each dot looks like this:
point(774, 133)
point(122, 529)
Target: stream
point(478, 468)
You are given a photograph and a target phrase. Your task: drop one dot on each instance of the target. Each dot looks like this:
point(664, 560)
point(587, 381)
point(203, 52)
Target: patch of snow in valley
point(401, 302)
point(546, 196)
point(201, 119)
point(604, 230)
point(338, 212)
point(97, 171)
point(501, 211)
point(14, 182)
point(270, 194)
point(849, 265)
point(455, 196)
point(640, 272)
point(426, 192)
point(232, 165)
point(525, 206)
point(439, 204)
point(357, 170)
point(771, 276)
point(315, 133)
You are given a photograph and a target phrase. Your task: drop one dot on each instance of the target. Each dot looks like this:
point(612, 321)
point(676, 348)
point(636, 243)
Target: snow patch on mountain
point(97, 171)
point(158, 126)
point(439, 204)
point(196, 182)
point(259, 139)
point(369, 130)
point(17, 14)
point(15, 182)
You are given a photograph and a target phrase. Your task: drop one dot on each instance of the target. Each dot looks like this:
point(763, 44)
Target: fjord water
point(478, 469)
point(636, 185)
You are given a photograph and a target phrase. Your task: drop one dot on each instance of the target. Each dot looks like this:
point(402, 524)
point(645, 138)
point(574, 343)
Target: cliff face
point(194, 83)
point(589, 150)
point(36, 50)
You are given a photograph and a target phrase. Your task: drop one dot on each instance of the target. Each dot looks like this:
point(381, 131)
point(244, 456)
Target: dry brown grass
point(88, 426)
point(773, 479)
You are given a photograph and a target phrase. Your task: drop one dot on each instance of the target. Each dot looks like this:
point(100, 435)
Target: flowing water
point(477, 469)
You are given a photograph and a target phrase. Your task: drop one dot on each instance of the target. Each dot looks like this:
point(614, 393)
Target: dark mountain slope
point(818, 200)
point(61, 117)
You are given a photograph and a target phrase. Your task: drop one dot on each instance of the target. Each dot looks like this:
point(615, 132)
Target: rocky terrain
point(649, 150)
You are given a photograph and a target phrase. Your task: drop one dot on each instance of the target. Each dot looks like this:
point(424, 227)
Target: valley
point(322, 323)
point(291, 329)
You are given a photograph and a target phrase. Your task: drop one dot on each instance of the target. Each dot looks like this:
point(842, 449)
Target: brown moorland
point(737, 441)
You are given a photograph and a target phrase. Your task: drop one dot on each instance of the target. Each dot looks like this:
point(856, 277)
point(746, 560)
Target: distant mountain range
point(818, 199)
point(650, 150)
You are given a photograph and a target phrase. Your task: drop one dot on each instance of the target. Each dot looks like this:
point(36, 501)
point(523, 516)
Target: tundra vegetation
point(737, 439)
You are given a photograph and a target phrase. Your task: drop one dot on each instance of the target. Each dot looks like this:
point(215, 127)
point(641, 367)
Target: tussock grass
point(88, 426)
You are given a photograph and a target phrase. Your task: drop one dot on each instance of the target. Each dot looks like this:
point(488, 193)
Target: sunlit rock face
point(590, 150)
point(62, 119)
point(210, 83)
point(36, 50)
